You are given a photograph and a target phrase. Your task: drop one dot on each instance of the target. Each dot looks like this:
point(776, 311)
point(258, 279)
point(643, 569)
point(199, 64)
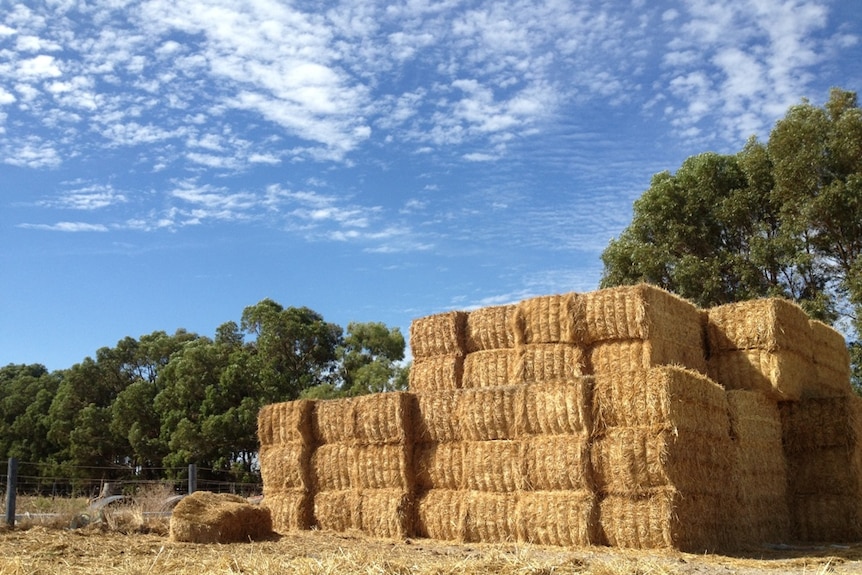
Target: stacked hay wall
point(760, 469)
point(823, 445)
point(286, 445)
point(438, 344)
point(362, 466)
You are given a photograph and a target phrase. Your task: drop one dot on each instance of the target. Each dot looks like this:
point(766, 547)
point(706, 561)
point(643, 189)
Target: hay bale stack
point(205, 517)
point(286, 445)
point(761, 345)
point(823, 444)
point(490, 367)
point(547, 319)
point(491, 328)
point(831, 363)
point(759, 469)
point(661, 456)
point(668, 329)
point(362, 471)
point(438, 344)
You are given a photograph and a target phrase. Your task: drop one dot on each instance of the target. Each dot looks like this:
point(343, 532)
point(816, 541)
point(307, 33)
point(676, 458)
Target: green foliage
point(164, 401)
point(780, 219)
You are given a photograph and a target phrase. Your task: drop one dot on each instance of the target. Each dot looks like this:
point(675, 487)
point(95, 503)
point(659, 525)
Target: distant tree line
point(781, 218)
point(163, 401)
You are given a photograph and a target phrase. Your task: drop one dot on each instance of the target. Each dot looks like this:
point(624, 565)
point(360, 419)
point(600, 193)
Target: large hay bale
point(439, 372)
point(818, 423)
point(285, 423)
point(491, 413)
point(563, 518)
point(338, 510)
point(782, 375)
point(633, 461)
point(494, 466)
point(290, 511)
point(549, 362)
point(384, 418)
point(285, 467)
point(546, 319)
point(831, 363)
point(665, 518)
point(492, 517)
point(638, 312)
point(557, 463)
point(490, 368)
point(442, 514)
point(387, 513)
point(439, 466)
point(767, 324)
point(634, 354)
point(558, 408)
point(334, 420)
point(204, 517)
point(436, 417)
point(491, 328)
point(826, 518)
point(760, 469)
point(660, 396)
point(345, 466)
point(439, 334)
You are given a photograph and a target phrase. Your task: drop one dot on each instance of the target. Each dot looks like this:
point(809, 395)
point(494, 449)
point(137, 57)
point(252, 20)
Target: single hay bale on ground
point(439, 334)
point(384, 418)
point(666, 518)
point(439, 372)
point(442, 514)
point(831, 363)
point(205, 517)
point(633, 354)
point(782, 375)
point(638, 312)
point(546, 319)
point(439, 466)
point(494, 466)
point(490, 368)
point(557, 463)
point(770, 324)
point(285, 423)
point(633, 461)
point(563, 518)
point(559, 407)
point(491, 328)
point(436, 417)
point(659, 396)
point(285, 467)
point(490, 413)
point(290, 511)
point(548, 362)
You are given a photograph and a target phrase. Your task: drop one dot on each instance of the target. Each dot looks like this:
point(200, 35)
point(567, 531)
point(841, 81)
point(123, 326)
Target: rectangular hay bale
point(490, 368)
point(659, 396)
point(768, 324)
point(633, 354)
point(439, 466)
point(343, 466)
point(338, 510)
point(831, 363)
point(439, 334)
point(436, 417)
point(439, 372)
point(285, 468)
point(285, 422)
point(782, 375)
point(290, 511)
point(494, 466)
point(387, 513)
point(384, 417)
point(562, 518)
point(492, 517)
point(442, 514)
point(557, 463)
point(491, 413)
point(333, 420)
point(638, 312)
point(558, 408)
point(549, 362)
point(490, 328)
point(546, 319)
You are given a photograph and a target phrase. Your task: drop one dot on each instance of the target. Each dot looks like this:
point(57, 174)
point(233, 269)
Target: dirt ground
point(94, 550)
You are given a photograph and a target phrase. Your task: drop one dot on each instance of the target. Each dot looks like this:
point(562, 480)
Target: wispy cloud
point(66, 227)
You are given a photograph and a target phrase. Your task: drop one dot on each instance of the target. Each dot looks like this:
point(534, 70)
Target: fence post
point(11, 490)
point(193, 478)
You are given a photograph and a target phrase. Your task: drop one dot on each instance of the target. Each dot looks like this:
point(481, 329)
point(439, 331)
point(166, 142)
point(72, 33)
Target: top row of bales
point(767, 345)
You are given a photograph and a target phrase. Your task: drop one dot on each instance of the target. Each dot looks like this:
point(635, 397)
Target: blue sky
point(164, 164)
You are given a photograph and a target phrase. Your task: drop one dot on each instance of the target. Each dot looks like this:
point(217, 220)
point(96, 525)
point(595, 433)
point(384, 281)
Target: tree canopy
point(781, 218)
point(150, 406)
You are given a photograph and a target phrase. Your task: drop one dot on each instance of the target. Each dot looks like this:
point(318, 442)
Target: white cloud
point(66, 227)
point(88, 198)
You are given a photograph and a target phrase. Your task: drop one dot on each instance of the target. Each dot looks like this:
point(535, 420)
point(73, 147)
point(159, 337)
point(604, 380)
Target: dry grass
point(45, 551)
